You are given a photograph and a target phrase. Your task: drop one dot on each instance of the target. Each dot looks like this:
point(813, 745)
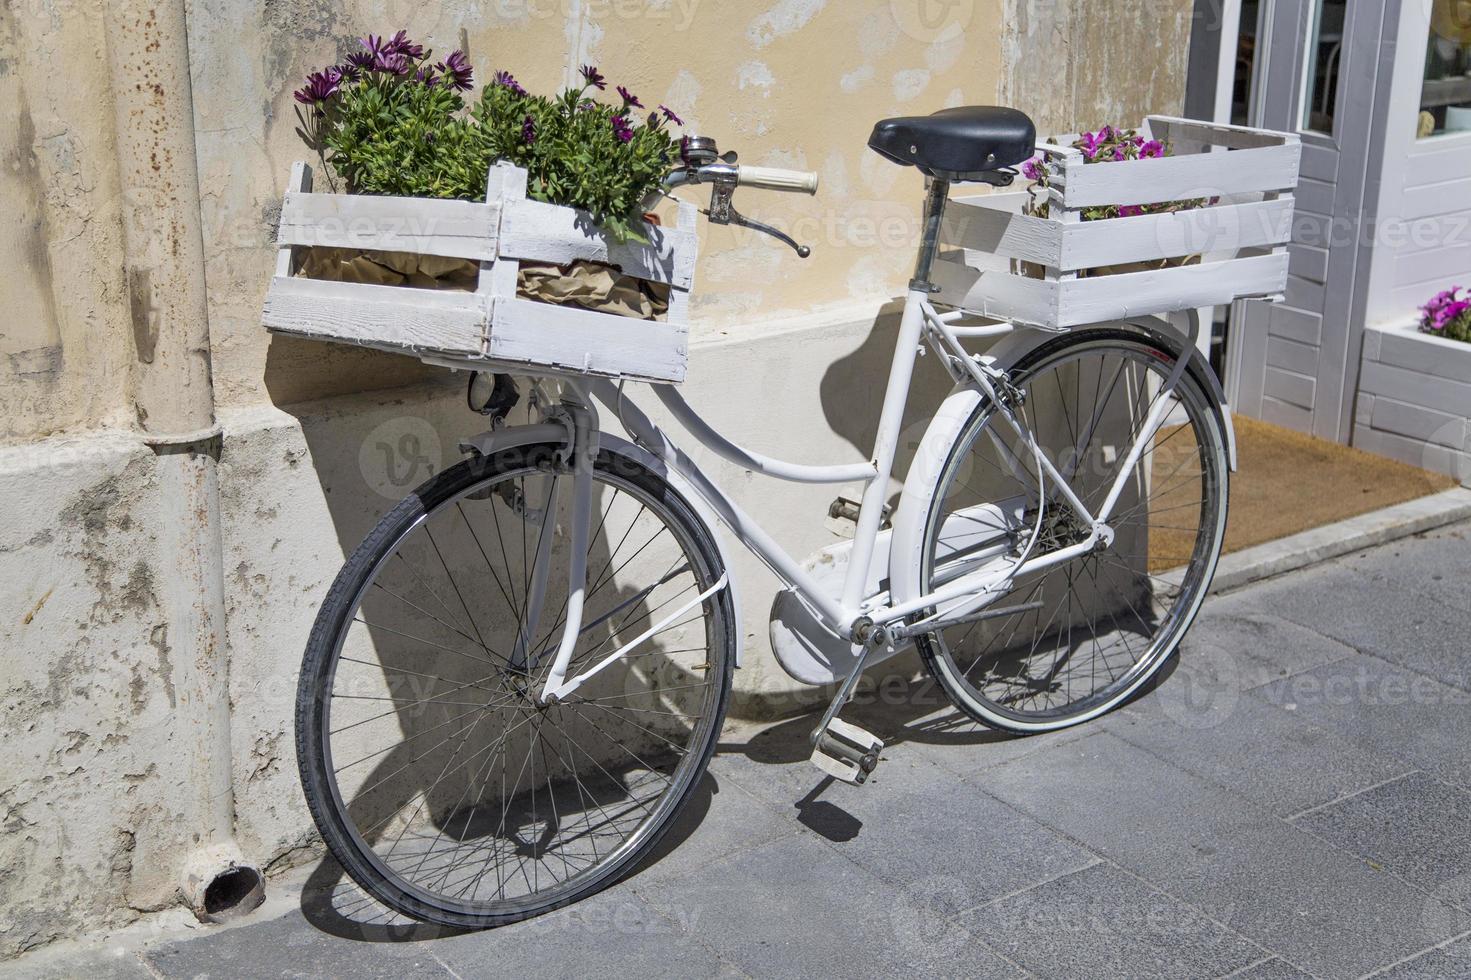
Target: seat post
point(934, 215)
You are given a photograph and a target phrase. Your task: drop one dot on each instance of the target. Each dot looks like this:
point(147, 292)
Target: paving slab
point(912, 820)
point(1451, 960)
point(1262, 752)
point(789, 909)
point(288, 947)
point(1387, 709)
point(616, 933)
point(1435, 565)
point(1356, 609)
point(1290, 892)
point(1273, 969)
point(1416, 827)
point(722, 819)
point(1103, 922)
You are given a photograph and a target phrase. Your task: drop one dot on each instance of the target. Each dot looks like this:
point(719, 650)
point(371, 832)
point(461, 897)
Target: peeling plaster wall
point(1077, 65)
point(65, 340)
point(92, 804)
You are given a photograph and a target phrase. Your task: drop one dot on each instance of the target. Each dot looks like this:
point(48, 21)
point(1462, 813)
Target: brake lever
point(723, 212)
point(802, 251)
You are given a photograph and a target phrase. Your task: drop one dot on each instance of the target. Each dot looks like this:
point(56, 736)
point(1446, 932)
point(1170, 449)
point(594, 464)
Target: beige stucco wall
point(93, 829)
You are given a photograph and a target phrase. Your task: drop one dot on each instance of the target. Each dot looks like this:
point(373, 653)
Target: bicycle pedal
point(847, 752)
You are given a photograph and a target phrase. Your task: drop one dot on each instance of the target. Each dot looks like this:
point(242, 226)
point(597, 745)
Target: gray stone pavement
point(1293, 800)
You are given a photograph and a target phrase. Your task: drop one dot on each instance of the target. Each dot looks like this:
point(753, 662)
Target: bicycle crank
point(842, 750)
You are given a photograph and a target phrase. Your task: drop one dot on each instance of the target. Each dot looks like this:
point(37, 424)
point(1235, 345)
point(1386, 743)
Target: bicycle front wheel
point(1075, 640)
point(440, 782)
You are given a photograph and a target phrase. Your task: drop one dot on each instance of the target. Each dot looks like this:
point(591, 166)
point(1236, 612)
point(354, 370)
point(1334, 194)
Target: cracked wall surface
point(97, 679)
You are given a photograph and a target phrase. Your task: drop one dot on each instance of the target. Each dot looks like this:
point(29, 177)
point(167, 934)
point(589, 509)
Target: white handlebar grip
point(774, 179)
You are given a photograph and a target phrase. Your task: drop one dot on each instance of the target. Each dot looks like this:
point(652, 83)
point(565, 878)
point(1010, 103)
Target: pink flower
point(1032, 169)
point(1130, 210)
point(1151, 150)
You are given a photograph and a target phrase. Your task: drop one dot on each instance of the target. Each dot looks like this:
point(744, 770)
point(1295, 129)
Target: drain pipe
point(148, 52)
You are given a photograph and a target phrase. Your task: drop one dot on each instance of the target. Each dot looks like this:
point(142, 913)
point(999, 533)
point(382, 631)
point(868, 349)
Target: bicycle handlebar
point(774, 179)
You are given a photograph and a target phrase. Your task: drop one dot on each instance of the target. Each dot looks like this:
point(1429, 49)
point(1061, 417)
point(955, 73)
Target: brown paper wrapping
point(586, 285)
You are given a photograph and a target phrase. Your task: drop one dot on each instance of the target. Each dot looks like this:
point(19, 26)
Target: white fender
point(515, 437)
point(922, 482)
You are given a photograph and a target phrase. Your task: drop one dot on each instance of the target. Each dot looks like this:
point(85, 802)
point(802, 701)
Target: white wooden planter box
point(1241, 238)
point(491, 327)
point(1414, 400)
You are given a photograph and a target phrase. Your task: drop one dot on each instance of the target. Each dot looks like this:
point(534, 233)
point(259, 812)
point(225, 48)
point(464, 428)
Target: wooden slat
point(1176, 130)
point(1315, 196)
point(1432, 164)
point(1309, 262)
point(1228, 227)
point(1078, 302)
point(457, 229)
point(1285, 386)
point(395, 317)
point(1178, 178)
point(584, 342)
point(1097, 299)
point(983, 226)
point(540, 232)
point(1320, 162)
point(1441, 198)
point(994, 224)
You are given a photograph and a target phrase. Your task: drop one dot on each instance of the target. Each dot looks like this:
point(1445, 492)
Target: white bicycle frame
point(853, 614)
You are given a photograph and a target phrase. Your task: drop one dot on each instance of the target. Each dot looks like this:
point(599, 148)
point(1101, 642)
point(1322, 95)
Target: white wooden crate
point(491, 327)
point(1241, 239)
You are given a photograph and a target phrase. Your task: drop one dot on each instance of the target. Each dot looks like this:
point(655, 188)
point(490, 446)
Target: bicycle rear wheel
point(1069, 643)
point(438, 780)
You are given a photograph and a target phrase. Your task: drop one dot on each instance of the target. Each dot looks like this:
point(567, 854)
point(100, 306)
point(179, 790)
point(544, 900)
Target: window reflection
point(1324, 59)
point(1445, 99)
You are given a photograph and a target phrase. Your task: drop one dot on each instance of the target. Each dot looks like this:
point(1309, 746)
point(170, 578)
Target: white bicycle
point(519, 677)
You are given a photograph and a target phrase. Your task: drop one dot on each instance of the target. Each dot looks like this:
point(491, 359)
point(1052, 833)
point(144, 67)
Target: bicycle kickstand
point(843, 750)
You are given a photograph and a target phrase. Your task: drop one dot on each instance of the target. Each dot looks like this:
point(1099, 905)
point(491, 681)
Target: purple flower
point(458, 74)
point(1091, 143)
point(1032, 169)
point(593, 77)
point(669, 114)
point(393, 64)
point(528, 131)
point(505, 79)
point(374, 48)
point(1130, 210)
point(402, 45)
point(426, 76)
point(1119, 153)
point(629, 99)
point(1151, 150)
point(621, 129)
point(320, 86)
point(1445, 309)
point(349, 72)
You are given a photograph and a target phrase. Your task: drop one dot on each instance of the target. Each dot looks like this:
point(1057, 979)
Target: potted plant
point(524, 201)
point(1109, 144)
